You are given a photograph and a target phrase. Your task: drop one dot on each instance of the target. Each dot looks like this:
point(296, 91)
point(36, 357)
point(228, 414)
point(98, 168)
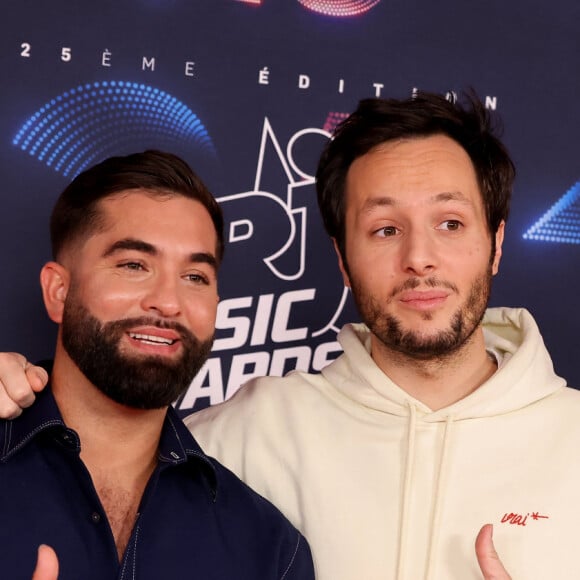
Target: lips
point(411, 295)
point(423, 300)
point(154, 339)
point(148, 338)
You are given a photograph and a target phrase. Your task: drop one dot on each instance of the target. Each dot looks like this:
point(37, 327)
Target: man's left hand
point(46, 565)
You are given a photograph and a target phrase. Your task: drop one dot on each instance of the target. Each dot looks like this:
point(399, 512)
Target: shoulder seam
point(290, 564)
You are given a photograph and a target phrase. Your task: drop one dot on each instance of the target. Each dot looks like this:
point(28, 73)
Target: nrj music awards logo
point(285, 299)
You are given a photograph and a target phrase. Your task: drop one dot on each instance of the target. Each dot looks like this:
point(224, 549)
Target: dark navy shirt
point(196, 518)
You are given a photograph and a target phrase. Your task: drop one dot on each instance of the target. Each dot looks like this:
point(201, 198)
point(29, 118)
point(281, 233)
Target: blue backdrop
point(247, 92)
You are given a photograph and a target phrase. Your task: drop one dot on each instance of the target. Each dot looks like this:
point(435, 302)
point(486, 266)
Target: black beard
point(140, 382)
point(411, 344)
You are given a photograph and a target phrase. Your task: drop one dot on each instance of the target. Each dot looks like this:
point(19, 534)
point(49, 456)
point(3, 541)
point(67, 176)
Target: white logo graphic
point(274, 233)
point(296, 214)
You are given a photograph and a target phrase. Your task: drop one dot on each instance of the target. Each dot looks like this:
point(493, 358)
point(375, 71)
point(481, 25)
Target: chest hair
point(121, 507)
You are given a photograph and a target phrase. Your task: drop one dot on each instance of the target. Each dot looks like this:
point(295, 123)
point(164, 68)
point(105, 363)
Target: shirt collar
point(176, 445)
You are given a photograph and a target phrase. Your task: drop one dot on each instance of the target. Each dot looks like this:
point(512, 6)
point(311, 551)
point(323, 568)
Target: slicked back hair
point(76, 213)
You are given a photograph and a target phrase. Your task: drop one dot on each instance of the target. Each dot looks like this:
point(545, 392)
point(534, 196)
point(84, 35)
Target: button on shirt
point(196, 518)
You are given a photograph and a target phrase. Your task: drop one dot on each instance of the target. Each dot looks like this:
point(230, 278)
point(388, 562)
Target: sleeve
point(300, 565)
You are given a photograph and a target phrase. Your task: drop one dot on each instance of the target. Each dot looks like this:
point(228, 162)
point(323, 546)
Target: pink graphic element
point(332, 120)
point(340, 8)
point(251, 1)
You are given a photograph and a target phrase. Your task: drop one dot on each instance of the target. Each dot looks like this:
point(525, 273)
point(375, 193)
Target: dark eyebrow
point(204, 258)
point(130, 244)
point(150, 249)
point(374, 202)
point(452, 196)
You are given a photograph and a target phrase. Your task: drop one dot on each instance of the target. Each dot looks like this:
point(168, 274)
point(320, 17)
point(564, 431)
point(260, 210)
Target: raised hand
point(19, 381)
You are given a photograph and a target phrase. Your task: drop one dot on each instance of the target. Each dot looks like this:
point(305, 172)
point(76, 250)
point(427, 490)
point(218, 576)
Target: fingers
point(46, 564)
point(37, 377)
point(489, 562)
point(19, 380)
point(8, 408)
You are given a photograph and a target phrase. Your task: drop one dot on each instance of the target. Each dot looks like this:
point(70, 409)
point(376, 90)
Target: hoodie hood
point(526, 374)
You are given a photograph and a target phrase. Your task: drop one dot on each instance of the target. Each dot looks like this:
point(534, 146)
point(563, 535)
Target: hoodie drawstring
point(406, 493)
point(436, 512)
point(406, 490)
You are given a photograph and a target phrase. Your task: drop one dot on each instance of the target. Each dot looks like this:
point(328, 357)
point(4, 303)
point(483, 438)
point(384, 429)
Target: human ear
point(341, 266)
point(499, 235)
point(55, 283)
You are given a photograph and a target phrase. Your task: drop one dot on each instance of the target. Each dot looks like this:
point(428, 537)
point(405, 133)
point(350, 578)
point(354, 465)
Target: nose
point(418, 253)
point(162, 296)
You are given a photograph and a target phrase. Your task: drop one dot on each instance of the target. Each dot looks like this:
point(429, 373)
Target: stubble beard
point(139, 382)
point(393, 336)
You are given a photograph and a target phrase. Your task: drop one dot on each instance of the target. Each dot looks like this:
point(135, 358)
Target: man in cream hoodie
point(440, 416)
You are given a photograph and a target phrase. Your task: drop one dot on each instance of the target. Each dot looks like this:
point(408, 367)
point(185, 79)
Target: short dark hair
point(376, 121)
point(76, 211)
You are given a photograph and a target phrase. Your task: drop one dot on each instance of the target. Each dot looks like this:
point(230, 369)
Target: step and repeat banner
point(248, 92)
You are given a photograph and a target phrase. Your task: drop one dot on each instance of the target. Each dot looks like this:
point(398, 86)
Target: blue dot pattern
point(90, 122)
point(561, 223)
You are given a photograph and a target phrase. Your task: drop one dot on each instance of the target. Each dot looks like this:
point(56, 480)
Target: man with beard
point(101, 468)
point(440, 417)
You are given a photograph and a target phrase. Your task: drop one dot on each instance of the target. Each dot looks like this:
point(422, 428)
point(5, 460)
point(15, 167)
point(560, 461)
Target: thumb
point(489, 562)
point(37, 377)
point(46, 565)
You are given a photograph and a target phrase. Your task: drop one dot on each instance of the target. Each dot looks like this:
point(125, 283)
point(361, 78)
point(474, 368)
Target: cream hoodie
point(384, 488)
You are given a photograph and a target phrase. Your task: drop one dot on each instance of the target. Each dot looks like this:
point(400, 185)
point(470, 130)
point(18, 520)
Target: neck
point(111, 434)
point(118, 444)
point(441, 382)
